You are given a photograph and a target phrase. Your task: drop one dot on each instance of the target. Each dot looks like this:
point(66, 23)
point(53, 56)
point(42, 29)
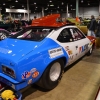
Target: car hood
point(15, 49)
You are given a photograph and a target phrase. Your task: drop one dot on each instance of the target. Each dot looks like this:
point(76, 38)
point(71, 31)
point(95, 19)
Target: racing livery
point(39, 53)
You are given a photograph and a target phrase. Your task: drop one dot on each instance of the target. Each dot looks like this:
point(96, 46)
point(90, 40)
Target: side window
point(65, 36)
point(77, 34)
point(80, 33)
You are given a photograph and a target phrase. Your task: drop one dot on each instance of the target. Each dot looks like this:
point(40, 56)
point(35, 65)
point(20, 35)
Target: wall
point(87, 12)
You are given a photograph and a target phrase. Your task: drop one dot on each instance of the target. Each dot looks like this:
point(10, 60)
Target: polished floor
point(79, 82)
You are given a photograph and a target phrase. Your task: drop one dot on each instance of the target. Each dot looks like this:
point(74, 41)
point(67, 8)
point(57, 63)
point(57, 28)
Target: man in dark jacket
point(98, 27)
point(92, 26)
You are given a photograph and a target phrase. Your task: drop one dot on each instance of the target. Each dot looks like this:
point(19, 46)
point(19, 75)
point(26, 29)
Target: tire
point(90, 51)
point(52, 75)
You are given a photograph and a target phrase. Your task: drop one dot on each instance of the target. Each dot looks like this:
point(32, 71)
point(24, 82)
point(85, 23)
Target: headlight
point(8, 71)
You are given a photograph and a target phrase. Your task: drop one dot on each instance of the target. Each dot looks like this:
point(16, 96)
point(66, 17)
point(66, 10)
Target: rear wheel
point(52, 75)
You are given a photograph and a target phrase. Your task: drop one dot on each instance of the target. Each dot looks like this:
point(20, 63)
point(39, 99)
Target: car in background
point(39, 53)
point(81, 25)
point(4, 34)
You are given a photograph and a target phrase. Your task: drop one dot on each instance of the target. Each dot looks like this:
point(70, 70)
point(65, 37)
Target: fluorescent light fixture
point(17, 10)
point(52, 5)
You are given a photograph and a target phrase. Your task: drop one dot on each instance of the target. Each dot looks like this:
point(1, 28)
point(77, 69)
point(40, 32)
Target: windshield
point(32, 34)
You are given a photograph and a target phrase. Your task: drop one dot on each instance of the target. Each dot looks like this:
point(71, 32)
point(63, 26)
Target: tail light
point(8, 71)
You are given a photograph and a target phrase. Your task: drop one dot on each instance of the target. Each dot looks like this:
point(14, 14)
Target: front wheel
point(90, 51)
point(52, 75)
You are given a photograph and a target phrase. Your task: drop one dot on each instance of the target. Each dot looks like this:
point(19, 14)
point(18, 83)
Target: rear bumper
point(12, 83)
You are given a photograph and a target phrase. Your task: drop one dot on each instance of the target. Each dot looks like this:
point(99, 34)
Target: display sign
point(17, 10)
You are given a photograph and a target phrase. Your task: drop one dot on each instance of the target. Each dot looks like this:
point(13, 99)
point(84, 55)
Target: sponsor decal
point(26, 74)
point(67, 48)
point(83, 48)
point(70, 52)
point(71, 57)
point(76, 47)
point(35, 74)
point(29, 81)
point(55, 52)
point(33, 70)
point(91, 43)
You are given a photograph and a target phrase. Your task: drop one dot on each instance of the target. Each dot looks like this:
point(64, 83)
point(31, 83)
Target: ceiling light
point(58, 7)
point(50, 1)
point(88, 3)
point(62, 3)
point(36, 7)
point(22, 5)
point(13, 6)
point(3, 3)
point(16, 1)
point(46, 9)
point(35, 3)
point(81, 1)
point(71, 5)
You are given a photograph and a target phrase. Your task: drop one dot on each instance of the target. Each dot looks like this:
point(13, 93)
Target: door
point(67, 42)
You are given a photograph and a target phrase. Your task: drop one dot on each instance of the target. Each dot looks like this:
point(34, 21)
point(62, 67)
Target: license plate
point(5, 81)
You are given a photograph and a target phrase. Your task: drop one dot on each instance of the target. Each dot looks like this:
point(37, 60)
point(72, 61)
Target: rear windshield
point(32, 34)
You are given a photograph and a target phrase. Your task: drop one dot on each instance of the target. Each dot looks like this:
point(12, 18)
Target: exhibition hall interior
point(49, 49)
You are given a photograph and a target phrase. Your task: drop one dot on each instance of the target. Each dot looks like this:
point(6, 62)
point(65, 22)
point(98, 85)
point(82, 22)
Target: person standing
point(98, 27)
point(98, 33)
point(92, 27)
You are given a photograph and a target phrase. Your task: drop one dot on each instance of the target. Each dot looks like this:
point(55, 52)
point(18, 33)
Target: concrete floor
point(79, 82)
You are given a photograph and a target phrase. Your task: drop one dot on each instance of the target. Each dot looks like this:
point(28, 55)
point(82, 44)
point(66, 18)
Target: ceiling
point(49, 5)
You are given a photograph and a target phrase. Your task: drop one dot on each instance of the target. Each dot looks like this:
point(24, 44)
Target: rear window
point(32, 34)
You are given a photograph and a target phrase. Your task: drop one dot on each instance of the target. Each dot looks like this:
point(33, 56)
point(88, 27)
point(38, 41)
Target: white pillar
point(0, 15)
point(42, 11)
point(77, 8)
point(10, 14)
point(14, 16)
point(67, 11)
point(24, 16)
point(28, 9)
point(99, 7)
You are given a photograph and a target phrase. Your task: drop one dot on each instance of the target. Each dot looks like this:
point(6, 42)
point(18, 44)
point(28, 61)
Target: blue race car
point(39, 54)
